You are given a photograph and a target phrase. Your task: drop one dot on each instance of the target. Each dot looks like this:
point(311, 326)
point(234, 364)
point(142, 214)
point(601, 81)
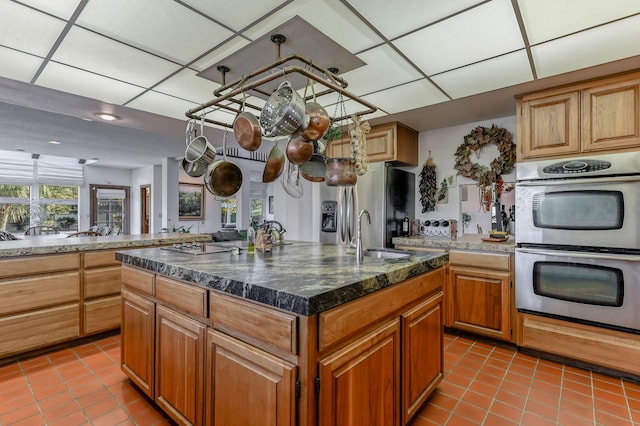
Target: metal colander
point(284, 112)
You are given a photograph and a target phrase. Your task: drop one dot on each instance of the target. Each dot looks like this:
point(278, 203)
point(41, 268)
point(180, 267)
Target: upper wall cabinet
point(392, 142)
point(595, 116)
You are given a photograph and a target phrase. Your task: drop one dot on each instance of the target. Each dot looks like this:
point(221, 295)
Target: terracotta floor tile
point(149, 417)
point(7, 405)
point(544, 397)
point(569, 419)
point(435, 415)
point(511, 398)
point(495, 420)
point(101, 408)
point(549, 412)
point(457, 420)
point(443, 401)
point(35, 420)
point(141, 405)
point(76, 418)
point(582, 388)
point(613, 398)
point(578, 398)
point(48, 392)
point(603, 418)
point(55, 401)
point(477, 399)
point(94, 398)
point(488, 379)
point(85, 389)
point(507, 411)
point(452, 390)
point(554, 378)
point(61, 411)
point(111, 418)
point(621, 411)
point(530, 418)
point(575, 409)
point(21, 413)
point(483, 388)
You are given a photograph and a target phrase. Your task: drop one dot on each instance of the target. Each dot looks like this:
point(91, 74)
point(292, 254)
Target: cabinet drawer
point(32, 330)
point(345, 320)
point(102, 282)
point(32, 265)
point(187, 297)
point(252, 320)
point(101, 314)
point(100, 258)
point(32, 293)
point(137, 279)
point(480, 260)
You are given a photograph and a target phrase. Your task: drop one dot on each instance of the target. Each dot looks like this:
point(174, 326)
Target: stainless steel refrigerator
point(387, 193)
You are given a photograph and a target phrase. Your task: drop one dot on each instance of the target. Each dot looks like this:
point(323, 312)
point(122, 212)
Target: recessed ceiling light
point(19, 149)
point(54, 142)
point(93, 160)
point(106, 116)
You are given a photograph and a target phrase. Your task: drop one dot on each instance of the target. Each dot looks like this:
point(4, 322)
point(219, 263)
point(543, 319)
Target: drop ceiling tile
point(72, 80)
point(596, 46)
point(188, 86)
point(406, 97)
point(332, 18)
point(548, 19)
point(384, 68)
point(492, 74)
point(92, 52)
point(480, 33)
point(220, 53)
point(17, 65)
point(162, 104)
point(60, 8)
point(28, 30)
point(243, 12)
point(407, 15)
point(163, 27)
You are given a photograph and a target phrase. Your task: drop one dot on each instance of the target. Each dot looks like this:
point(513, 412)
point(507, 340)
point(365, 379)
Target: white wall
point(443, 143)
point(140, 177)
point(96, 175)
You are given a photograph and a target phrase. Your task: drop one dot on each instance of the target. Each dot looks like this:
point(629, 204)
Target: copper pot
point(315, 168)
point(299, 150)
point(340, 172)
point(317, 123)
point(274, 166)
point(247, 131)
point(223, 178)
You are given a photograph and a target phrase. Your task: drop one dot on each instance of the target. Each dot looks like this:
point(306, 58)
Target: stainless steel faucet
point(359, 248)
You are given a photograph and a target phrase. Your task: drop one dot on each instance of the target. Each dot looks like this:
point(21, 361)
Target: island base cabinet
point(359, 383)
point(422, 363)
point(180, 351)
point(136, 351)
point(247, 386)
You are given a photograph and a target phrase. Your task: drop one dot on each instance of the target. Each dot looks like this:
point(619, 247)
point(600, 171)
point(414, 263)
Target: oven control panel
point(576, 166)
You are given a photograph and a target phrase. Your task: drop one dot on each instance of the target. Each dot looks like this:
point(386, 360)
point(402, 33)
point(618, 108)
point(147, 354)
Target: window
point(58, 207)
point(257, 211)
point(228, 212)
point(109, 208)
point(14, 207)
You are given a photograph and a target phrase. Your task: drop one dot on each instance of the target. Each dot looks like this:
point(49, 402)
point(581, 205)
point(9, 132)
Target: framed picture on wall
point(190, 201)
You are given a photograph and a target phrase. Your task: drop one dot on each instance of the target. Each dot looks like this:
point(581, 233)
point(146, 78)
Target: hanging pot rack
point(251, 82)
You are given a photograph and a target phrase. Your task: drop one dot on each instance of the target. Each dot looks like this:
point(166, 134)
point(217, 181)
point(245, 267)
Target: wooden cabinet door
point(136, 352)
point(381, 143)
point(480, 301)
point(422, 350)
point(247, 386)
point(359, 384)
point(611, 116)
point(180, 351)
point(550, 125)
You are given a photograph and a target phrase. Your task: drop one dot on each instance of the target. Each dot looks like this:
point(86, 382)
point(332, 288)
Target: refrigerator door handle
point(349, 219)
point(340, 216)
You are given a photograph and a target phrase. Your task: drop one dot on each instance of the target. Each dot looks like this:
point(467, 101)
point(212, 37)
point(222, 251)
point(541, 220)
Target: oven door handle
point(581, 254)
point(580, 181)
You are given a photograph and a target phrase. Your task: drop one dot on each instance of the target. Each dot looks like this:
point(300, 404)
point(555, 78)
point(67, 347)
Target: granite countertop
point(466, 242)
point(51, 244)
point(303, 277)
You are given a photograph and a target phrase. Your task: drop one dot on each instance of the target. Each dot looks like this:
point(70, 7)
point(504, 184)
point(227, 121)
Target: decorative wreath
point(474, 142)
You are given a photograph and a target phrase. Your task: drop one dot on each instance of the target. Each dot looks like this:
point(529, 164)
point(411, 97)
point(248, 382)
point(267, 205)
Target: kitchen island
point(286, 337)
point(54, 289)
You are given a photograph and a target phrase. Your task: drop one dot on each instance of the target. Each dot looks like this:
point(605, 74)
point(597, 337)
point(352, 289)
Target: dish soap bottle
point(251, 240)
point(406, 229)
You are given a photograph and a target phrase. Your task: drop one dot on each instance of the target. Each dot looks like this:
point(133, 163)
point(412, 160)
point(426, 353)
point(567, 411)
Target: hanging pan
point(274, 166)
point(315, 168)
point(246, 129)
point(199, 150)
point(223, 178)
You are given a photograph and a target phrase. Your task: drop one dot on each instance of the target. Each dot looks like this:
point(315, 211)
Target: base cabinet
point(247, 386)
point(180, 351)
point(372, 361)
point(137, 337)
point(359, 385)
point(479, 294)
point(422, 366)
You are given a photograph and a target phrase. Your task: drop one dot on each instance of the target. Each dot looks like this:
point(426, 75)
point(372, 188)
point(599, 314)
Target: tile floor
point(483, 385)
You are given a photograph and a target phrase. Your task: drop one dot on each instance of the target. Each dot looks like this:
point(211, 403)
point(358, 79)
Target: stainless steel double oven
point(578, 239)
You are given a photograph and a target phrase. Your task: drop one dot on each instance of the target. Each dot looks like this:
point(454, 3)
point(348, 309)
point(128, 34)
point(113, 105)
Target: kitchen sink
point(387, 253)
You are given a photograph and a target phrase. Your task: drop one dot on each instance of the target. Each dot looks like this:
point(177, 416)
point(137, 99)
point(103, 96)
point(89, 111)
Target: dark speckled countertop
point(304, 277)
